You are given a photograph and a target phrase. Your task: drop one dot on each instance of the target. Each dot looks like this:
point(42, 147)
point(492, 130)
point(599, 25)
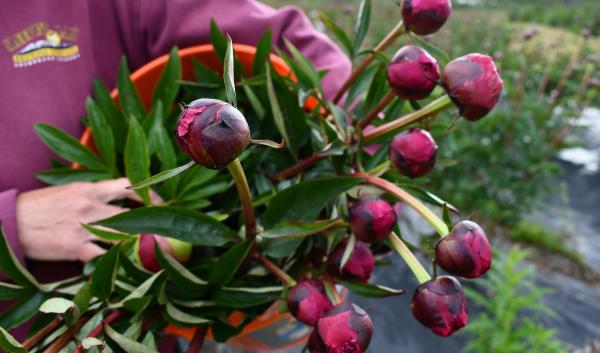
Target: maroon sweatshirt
point(52, 50)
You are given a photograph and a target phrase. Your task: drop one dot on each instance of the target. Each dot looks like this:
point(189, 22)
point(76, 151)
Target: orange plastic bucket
point(272, 331)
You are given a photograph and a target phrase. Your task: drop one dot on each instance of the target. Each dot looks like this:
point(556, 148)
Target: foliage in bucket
point(284, 234)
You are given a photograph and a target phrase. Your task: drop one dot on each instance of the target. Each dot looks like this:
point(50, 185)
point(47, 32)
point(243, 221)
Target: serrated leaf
point(124, 343)
point(68, 147)
point(175, 222)
point(304, 201)
point(62, 176)
point(10, 265)
point(56, 306)
point(137, 159)
point(9, 344)
point(369, 290)
point(228, 264)
point(105, 273)
point(128, 96)
point(296, 229)
point(103, 135)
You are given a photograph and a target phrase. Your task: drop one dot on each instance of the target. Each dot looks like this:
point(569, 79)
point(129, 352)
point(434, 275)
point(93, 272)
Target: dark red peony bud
point(372, 219)
point(474, 84)
point(313, 344)
point(145, 253)
point(344, 329)
point(413, 152)
point(425, 16)
point(212, 133)
point(440, 305)
point(465, 252)
point(307, 301)
point(358, 267)
point(413, 73)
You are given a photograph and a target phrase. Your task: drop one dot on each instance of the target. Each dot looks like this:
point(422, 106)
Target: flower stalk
point(432, 108)
point(389, 39)
point(241, 183)
point(276, 270)
point(198, 339)
point(411, 260)
point(43, 333)
point(438, 225)
point(378, 109)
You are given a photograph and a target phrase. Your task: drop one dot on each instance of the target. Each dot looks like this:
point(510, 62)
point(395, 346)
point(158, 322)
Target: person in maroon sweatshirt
point(50, 53)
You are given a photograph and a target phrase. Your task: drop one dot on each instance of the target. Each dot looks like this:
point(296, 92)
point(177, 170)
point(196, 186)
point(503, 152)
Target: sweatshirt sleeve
point(150, 28)
point(8, 222)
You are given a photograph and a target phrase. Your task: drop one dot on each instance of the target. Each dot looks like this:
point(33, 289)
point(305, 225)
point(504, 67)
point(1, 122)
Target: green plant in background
point(511, 306)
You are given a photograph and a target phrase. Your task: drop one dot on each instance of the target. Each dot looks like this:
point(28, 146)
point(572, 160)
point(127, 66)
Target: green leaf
point(128, 96)
point(175, 222)
point(68, 147)
point(304, 201)
point(83, 297)
point(240, 298)
point(441, 56)
point(105, 273)
point(229, 263)
point(229, 74)
point(255, 102)
point(181, 276)
point(137, 159)
point(123, 343)
point(369, 290)
point(184, 318)
point(263, 51)
point(168, 85)
point(280, 248)
point(106, 235)
point(337, 32)
point(103, 135)
point(113, 115)
point(22, 311)
point(378, 88)
point(162, 176)
point(90, 342)
point(9, 344)
point(143, 289)
point(11, 266)
point(10, 291)
point(218, 40)
point(304, 68)
point(62, 176)
point(296, 229)
point(275, 109)
point(206, 75)
point(56, 306)
point(362, 24)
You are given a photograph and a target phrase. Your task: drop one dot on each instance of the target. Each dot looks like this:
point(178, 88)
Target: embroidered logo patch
point(40, 43)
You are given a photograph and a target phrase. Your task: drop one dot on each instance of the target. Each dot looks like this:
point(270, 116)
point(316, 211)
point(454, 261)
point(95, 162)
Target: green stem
point(241, 183)
point(432, 108)
point(413, 263)
point(438, 225)
point(276, 270)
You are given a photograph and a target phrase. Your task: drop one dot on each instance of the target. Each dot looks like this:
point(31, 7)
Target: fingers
point(88, 251)
point(116, 189)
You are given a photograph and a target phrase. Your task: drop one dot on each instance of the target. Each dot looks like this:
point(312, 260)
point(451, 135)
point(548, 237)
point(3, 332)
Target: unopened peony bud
point(346, 328)
point(413, 73)
point(425, 16)
point(307, 301)
point(212, 133)
point(413, 152)
point(440, 305)
point(474, 84)
point(372, 219)
point(359, 266)
point(144, 251)
point(465, 252)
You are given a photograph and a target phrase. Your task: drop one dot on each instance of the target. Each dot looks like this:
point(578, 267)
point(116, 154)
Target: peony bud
point(474, 84)
point(307, 301)
point(372, 219)
point(413, 152)
point(313, 345)
point(413, 73)
point(425, 16)
point(346, 328)
point(144, 251)
point(440, 305)
point(212, 133)
point(464, 252)
point(359, 266)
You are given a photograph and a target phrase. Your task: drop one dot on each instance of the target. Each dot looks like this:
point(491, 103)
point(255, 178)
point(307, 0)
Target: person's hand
point(49, 219)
